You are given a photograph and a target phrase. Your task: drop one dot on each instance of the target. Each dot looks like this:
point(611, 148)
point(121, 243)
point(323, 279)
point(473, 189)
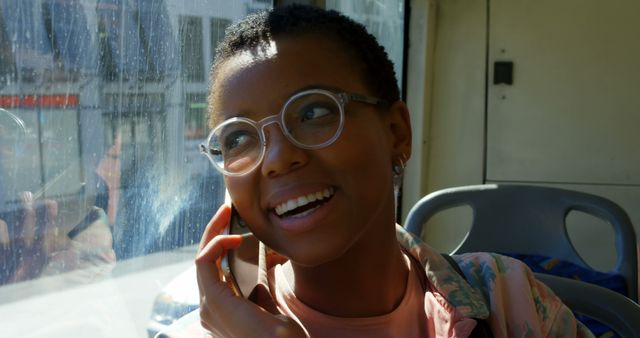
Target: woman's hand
point(25, 256)
point(221, 312)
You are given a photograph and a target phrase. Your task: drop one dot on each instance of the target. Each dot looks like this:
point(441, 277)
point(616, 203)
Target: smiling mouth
point(304, 205)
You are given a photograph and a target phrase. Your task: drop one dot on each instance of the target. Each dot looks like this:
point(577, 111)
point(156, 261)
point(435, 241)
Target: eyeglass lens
point(310, 120)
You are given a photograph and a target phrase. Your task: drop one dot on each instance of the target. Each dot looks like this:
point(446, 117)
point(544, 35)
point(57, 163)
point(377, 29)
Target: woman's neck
point(368, 280)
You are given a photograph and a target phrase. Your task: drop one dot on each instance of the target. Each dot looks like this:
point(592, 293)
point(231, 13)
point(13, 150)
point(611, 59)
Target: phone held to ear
point(240, 265)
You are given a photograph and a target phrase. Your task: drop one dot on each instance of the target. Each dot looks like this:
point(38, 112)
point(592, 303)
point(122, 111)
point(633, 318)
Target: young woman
point(309, 131)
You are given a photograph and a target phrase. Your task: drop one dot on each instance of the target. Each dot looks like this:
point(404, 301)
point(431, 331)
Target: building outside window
point(192, 52)
point(218, 26)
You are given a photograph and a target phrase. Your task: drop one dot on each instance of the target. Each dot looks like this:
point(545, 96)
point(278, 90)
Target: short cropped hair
point(261, 27)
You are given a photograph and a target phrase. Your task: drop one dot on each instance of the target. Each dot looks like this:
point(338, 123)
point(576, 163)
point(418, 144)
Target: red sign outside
point(43, 101)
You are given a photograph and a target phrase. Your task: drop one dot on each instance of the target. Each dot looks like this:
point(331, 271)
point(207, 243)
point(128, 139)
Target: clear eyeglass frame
point(341, 99)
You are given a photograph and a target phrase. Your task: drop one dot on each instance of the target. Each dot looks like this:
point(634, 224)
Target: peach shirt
point(407, 320)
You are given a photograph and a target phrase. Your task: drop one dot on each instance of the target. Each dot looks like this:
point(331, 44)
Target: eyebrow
point(317, 86)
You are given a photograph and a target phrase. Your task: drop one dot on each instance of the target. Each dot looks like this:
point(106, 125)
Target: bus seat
point(612, 309)
point(530, 220)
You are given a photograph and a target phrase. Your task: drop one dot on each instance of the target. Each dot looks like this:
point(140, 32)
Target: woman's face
point(353, 175)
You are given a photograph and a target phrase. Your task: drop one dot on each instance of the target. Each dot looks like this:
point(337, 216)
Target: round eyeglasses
point(311, 119)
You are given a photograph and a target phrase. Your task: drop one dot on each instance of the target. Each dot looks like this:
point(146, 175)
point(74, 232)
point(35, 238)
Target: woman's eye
point(237, 141)
point(314, 112)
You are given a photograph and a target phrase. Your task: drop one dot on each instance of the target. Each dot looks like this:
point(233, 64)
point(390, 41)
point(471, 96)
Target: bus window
point(103, 192)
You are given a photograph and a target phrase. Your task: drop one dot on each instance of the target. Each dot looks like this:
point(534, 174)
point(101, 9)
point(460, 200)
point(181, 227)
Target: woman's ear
point(399, 123)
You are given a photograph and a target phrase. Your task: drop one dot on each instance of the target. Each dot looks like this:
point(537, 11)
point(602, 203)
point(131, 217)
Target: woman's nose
point(281, 156)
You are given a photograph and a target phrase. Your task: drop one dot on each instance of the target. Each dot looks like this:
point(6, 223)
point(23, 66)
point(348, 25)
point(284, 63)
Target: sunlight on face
point(264, 52)
point(255, 84)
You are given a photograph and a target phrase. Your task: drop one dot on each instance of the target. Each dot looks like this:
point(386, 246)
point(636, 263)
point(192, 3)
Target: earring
point(398, 169)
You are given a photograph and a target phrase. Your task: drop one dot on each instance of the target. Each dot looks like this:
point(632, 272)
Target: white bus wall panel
point(457, 111)
point(573, 111)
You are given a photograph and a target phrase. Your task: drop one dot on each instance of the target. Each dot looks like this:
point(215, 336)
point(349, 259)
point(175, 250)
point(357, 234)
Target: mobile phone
point(240, 265)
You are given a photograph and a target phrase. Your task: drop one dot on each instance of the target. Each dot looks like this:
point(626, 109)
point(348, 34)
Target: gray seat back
point(530, 220)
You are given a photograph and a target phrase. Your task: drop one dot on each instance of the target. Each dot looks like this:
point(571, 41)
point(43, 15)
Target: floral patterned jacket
point(498, 289)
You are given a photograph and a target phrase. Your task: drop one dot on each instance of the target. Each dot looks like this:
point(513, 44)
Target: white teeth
point(303, 200)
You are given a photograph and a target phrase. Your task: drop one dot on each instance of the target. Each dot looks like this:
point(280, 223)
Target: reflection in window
point(121, 50)
point(19, 155)
point(136, 40)
point(196, 116)
point(69, 36)
point(100, 126)
point(50, 132)
point(157, 38)
point(192, 51)
point(7, 62)
point(218, 27)
point(30, 43)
